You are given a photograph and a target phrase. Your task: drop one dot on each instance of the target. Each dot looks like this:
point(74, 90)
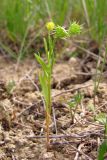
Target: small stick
point(95, 124)
point(37, 90)
point(22, 125)
point(23, 111)
point(89, 158)
point(96, 57)
point(19, 102)
point(72, 89)
point(24, 77)
point(41, 132)
point(78, 152)
point(54, 117)
point(98, 108)
point(68, 136)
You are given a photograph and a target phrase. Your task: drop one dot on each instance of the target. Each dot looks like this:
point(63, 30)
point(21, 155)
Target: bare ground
point(22, 115)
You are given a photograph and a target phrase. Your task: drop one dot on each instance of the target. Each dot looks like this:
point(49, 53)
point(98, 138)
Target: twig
point(98, 108)
point(54, 117)
point(37, 90)
point(83, 135)
point(90, 74)
point(22, 125)
point(19, 102)
point(23, 111)
point(79, 149)
point(41, 131)
point(99, 125)
point(96, 57)
point(89, 158)
point(72, 89)
point(24, 77)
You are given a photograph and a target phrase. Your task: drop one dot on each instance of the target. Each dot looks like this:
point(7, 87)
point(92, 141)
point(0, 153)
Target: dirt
point(22, 115)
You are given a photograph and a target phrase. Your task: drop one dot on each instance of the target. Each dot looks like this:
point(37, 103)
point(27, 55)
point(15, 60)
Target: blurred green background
point(22, 22)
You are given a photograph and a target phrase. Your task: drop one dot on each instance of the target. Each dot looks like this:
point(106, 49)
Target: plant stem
point(98, 80)
point(74, 113)
point(48, 111)
point(49, 95)
point(47, 128)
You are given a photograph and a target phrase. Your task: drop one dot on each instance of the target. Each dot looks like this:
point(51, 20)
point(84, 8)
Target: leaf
point(91, 106)
point(43, 82)
point(102, 150)
point(78, 97)
point(46, 46)
point(41, 62)
point(72, 104)
point(102, 118)
point(10, 86)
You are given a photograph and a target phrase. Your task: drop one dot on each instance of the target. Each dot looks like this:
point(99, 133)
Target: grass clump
point(95, 14)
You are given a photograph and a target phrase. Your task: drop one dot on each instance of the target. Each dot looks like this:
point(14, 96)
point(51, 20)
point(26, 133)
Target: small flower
point(60, 32)
point(50, 26)
point(74, 29)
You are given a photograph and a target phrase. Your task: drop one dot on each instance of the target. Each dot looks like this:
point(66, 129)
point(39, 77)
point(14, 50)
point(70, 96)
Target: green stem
point(47, 130)
point(48, 112)
point(97, 81)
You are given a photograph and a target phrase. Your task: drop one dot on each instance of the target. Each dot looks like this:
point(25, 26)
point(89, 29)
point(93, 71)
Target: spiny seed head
point(74, 29)
point(60, 32)
point(50, 26)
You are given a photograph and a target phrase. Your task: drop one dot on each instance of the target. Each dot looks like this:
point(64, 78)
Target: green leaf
point(43, 82)
point(102, 118)
point(102, 150)
point(10, 86)
point(46, 47)
point(91, 106)
point(78, 97)
point(72, 104)
point(41, 62)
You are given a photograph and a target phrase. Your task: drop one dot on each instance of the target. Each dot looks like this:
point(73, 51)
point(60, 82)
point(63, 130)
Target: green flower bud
point(60, 32)
point(74, 29)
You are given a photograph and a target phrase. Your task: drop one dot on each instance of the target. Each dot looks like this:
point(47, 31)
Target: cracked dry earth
point(22, 115)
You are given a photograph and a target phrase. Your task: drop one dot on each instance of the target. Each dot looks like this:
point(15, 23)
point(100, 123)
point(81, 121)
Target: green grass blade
point(102, 150)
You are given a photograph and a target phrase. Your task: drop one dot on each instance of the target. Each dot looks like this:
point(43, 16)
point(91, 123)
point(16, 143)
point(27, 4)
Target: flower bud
point(60, 32)
point(74, 29)
point(50, 26)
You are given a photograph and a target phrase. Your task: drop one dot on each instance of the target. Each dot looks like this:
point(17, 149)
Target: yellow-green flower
point(74, 29)
point(60, 32)
point(50, 26)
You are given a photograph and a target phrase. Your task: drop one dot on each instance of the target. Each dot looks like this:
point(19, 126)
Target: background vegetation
point(22, 21)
